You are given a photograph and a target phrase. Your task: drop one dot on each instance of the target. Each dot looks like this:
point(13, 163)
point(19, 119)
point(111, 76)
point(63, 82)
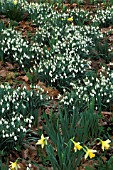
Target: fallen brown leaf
point(110, 38)
point(104, 158)
point(106, 113)
point(49, 90)
point(25, 153)
point(9, 66)
point(25, 78)
point(3, 73)
point(27, 86)
point(47, 111)
point(22, 165)
point(10, 81)
point(10, 75)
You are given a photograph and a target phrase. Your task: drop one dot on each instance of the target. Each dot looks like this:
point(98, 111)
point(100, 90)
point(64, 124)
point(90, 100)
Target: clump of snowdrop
point(93, 86)
point(55, 36)
point(61, 70)
point(41, 13)
point(18, 107)
point(64, 50)
point(80, 16)
point(15, 48)
point(103, 17)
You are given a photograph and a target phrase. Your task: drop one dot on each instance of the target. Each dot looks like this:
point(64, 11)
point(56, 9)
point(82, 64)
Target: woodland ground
point(40, 91)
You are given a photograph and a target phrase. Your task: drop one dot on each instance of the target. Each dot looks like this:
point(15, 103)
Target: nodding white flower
point(31, 117)
point(24, 129)
point(18, 130)
point(15, 138)
point(0, 122)
point(7, 135)
point(3, 110)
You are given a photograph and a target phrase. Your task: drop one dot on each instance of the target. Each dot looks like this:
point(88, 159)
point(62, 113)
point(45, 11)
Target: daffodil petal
point(42, 141)
point(108, 141)
point(86, 155)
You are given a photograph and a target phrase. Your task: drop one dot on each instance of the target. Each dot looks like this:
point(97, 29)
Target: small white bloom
point(7, 135)
point(15, 138)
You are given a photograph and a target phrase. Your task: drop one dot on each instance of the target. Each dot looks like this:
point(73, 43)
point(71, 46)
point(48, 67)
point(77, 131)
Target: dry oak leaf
point(10, 75)
point(106, 113)
point(25, 78)
point(9, 66)
point(3, 73)
point(25, 153)
point(22, 165)
point(49, 90)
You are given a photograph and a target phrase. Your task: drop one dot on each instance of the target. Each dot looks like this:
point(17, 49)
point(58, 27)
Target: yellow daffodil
point(42, 141)
point(14, 165)
point(15, 2)
point(77, 145)
point(70, 19)
point(90, 153)
point(105, 144)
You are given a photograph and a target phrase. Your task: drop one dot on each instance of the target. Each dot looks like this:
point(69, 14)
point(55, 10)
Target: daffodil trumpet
point(42, 141)
point(105, 145)
point(77, 145)
point(89, 153)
